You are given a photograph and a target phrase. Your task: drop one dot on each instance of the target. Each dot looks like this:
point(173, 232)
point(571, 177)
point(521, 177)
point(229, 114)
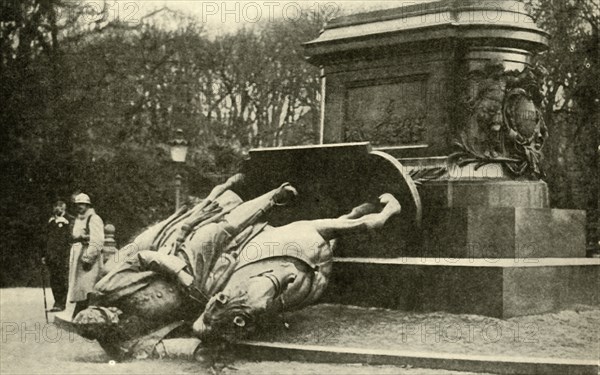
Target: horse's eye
point(222, 298)
point(239, 321)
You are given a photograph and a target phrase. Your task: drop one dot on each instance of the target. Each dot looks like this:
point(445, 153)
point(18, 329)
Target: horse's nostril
point(239, 321)
point(222, 298)
point(289, 280)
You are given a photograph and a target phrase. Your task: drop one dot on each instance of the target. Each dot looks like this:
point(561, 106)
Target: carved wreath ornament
point(504, 123)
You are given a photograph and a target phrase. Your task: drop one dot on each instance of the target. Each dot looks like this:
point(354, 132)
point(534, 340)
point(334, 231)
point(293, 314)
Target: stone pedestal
point(448, 89)
point(396, 77)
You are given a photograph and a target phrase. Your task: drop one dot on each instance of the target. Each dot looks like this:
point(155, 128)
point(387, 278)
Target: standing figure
point(56, 253)
point(85, 259)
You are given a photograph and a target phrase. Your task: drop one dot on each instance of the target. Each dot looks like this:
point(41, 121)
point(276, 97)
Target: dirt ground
point(573, 334)
point(29, 346)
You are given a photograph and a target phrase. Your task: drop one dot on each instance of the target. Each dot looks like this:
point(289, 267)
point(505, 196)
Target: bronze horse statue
point(284, 269)
point(216, 271)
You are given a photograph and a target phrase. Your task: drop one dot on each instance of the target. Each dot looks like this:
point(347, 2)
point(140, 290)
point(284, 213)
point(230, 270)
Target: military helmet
point(82, 198)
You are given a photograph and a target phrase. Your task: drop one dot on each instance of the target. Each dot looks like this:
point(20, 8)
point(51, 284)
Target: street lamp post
point(179, 148)
point(178, 184)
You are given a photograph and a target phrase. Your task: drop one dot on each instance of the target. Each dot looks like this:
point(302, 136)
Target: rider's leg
point(331, 229)
point(250, 212)
point(216, 201)
point(202, 248)
point(231, 183)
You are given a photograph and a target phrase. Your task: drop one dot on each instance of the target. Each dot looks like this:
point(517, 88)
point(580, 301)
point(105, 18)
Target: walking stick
point(44, 291)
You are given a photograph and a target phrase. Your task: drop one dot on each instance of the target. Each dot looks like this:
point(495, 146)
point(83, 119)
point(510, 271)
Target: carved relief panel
point(387, 112)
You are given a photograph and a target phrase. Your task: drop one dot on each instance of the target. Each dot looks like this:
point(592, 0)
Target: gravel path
point(29, 346)
point(567, 334)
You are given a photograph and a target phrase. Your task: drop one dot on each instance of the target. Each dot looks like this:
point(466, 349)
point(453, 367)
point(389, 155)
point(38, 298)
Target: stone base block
point(503, 232)
point(502, 288)
point(489, 193)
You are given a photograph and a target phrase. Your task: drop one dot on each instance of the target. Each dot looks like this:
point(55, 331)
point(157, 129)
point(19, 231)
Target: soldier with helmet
point(85, 258)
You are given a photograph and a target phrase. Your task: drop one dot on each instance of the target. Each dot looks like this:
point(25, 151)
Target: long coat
point(56, 252)
point(81, 282)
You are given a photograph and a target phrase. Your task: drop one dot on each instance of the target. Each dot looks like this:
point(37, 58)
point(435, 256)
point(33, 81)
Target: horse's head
point(248, 298)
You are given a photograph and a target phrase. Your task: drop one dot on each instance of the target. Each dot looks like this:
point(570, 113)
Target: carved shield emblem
point(522, 115)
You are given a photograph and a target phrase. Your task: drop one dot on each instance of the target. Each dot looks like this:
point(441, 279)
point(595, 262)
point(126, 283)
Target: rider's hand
point(43, 259)
point(86, 266)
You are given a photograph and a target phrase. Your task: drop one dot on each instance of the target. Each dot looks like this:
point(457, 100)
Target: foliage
point(88, 103)
point(572, 104)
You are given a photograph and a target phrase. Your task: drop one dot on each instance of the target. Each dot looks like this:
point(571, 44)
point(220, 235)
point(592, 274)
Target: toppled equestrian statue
point(216, 271)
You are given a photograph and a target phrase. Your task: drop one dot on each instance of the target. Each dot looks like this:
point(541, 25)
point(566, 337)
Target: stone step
point(554, 343)
point(493, 287)
point(269, 351)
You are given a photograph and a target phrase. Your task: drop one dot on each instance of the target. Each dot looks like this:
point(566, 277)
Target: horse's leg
point(353, 222)
point(360, 211)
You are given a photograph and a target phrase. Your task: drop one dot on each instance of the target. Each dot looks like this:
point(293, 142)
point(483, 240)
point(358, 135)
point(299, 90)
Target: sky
point(226, 16)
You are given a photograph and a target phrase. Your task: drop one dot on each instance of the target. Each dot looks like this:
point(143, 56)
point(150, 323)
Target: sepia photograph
point(287, 187)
